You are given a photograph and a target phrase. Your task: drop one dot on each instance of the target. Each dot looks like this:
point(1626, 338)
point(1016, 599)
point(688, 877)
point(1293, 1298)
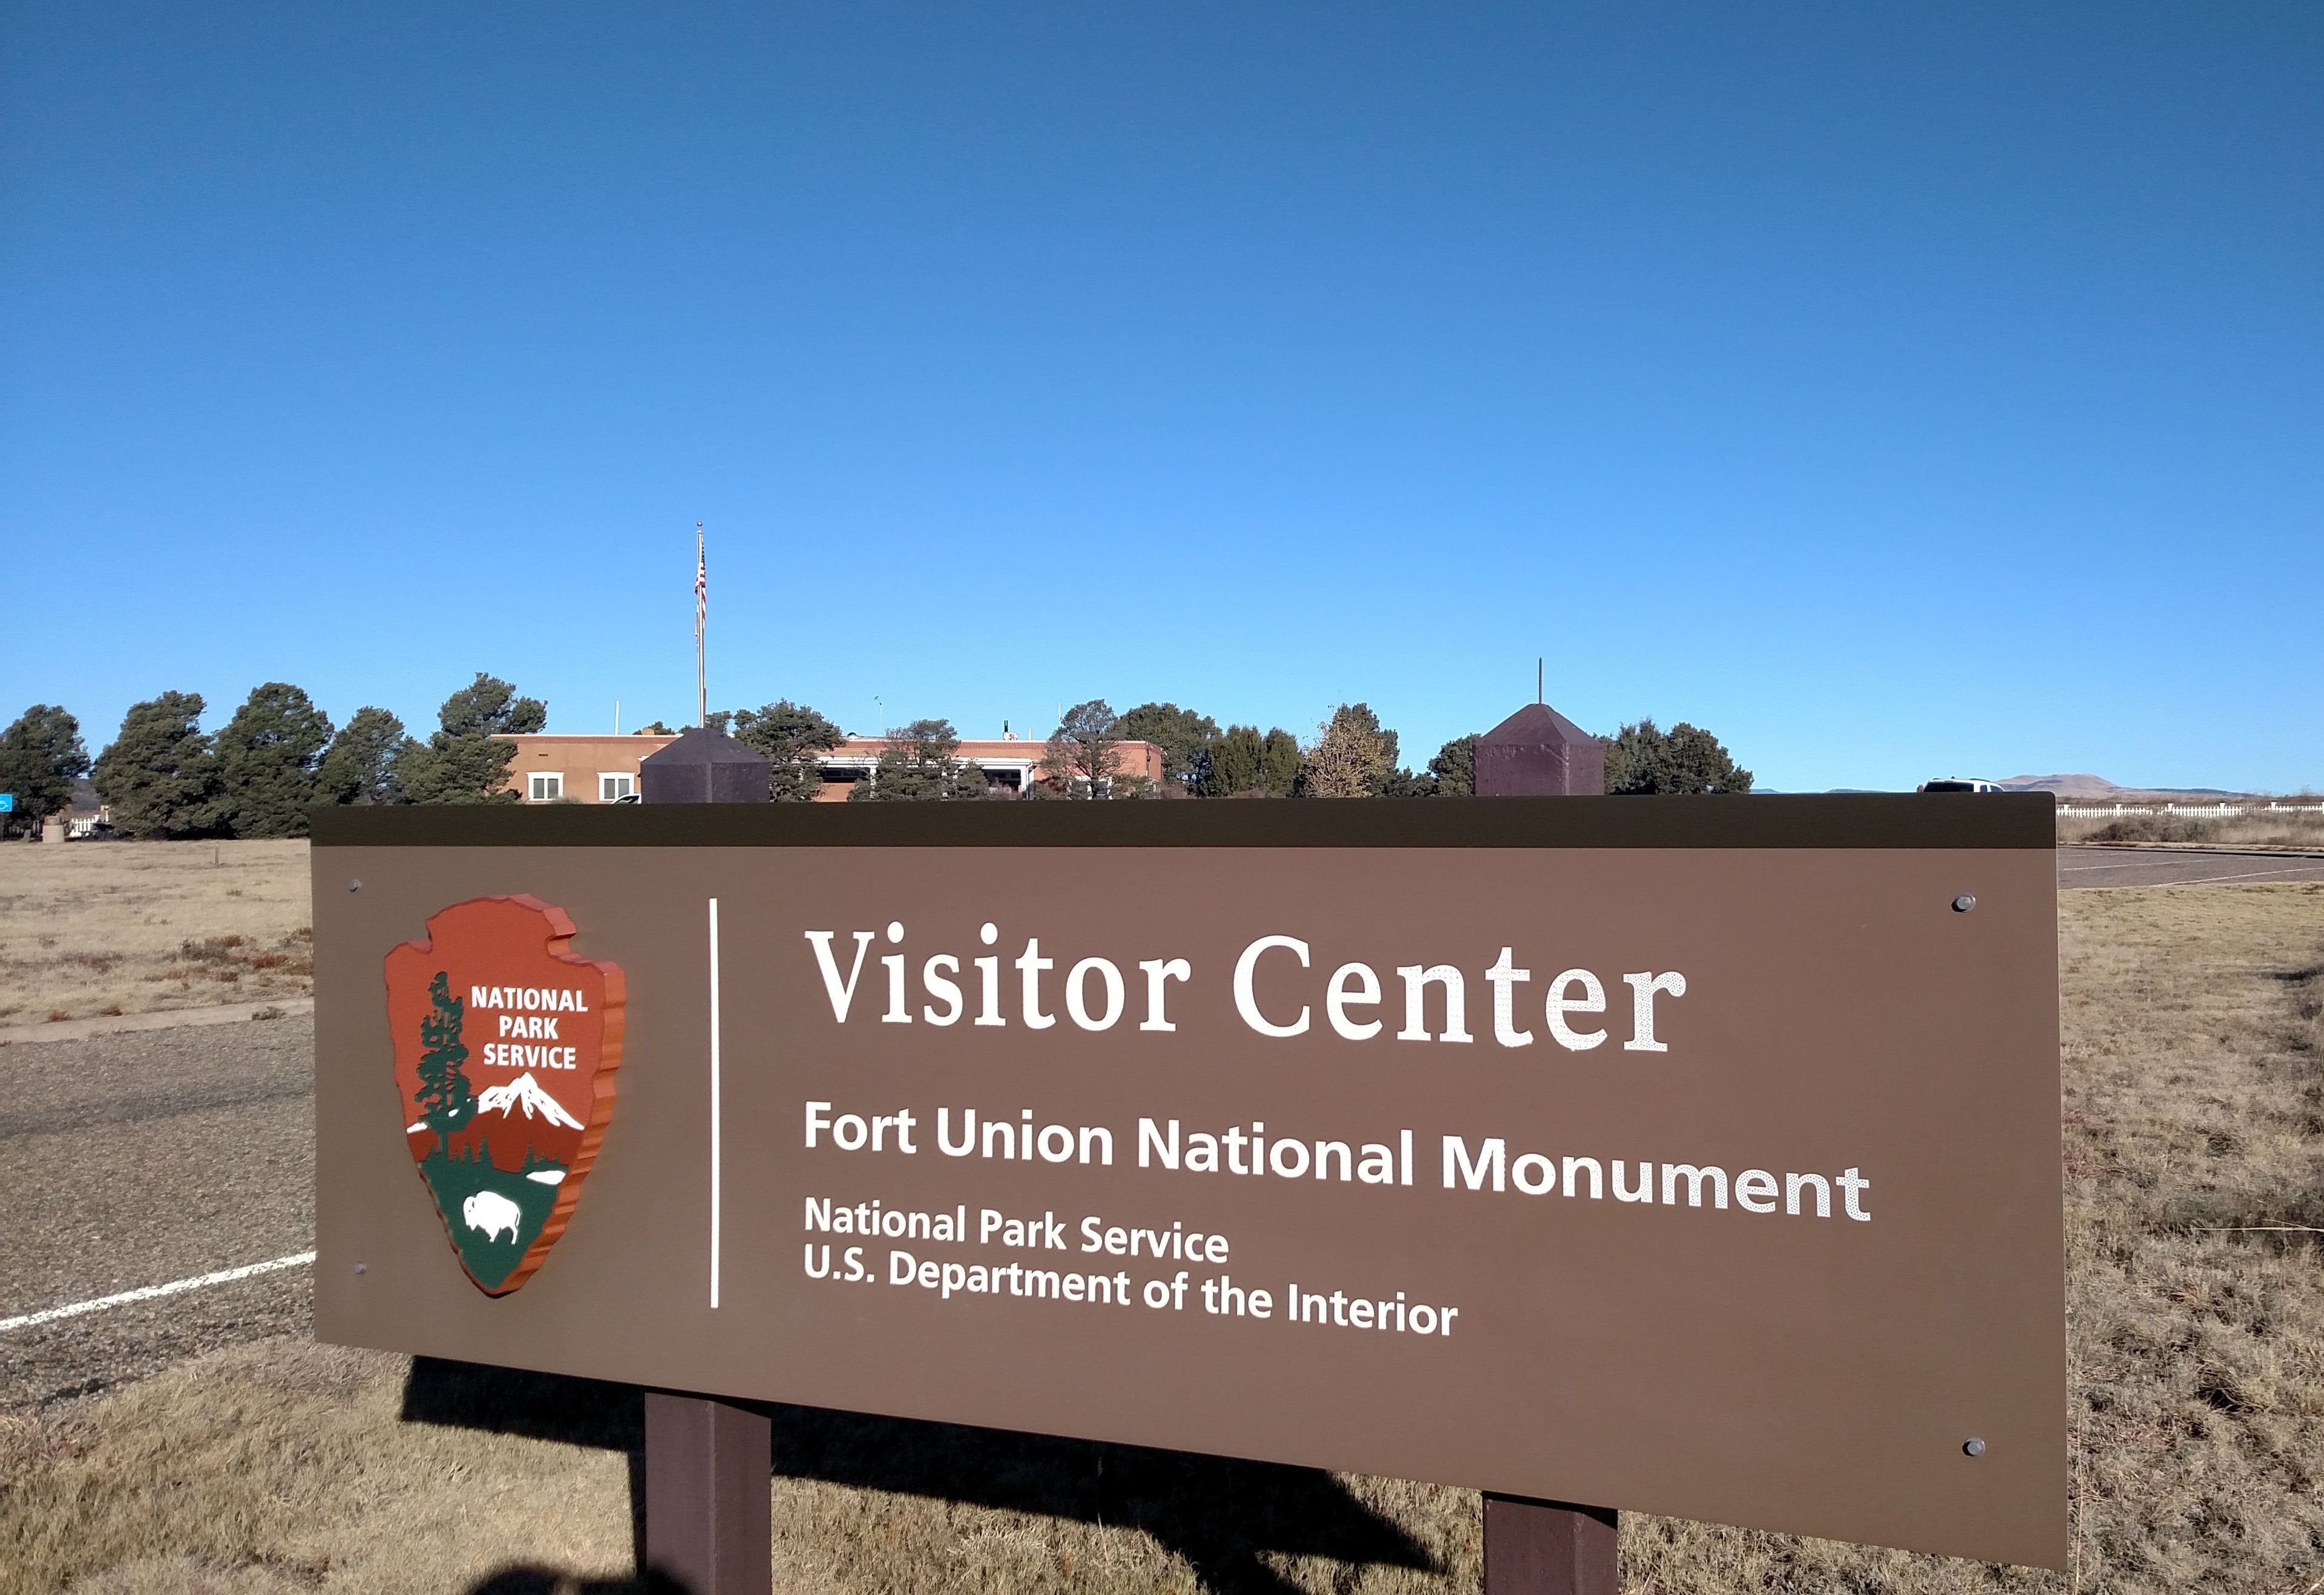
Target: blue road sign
point(7, 802)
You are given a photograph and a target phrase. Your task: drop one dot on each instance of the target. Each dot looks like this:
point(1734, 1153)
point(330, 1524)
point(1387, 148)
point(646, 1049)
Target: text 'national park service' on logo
point(505, 1048)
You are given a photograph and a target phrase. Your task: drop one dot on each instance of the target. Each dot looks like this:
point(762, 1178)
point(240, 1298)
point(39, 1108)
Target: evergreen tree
point(266, 759)
point(1244, 761)
point(1234, 762)
point(1454, 768)
point(359, 766)
point(159, 775)
point(1392, 770)
point(1644, 759)
point(41, 756)
point(445, 1100)
point(1186, 738)
point(1084, 756)
point(922, 766)
point(1278, 763)
point(791, 735)
point(463, 763)
point(455, 769)
point(490, 707)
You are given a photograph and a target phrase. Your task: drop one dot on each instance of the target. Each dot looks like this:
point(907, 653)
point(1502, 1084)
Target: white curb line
point(226, 1277)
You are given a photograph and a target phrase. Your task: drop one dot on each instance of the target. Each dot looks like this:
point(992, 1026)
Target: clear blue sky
point(1893, 391)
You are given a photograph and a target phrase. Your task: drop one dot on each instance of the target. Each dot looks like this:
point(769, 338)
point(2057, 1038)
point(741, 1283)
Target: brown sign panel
point(1691, 1157)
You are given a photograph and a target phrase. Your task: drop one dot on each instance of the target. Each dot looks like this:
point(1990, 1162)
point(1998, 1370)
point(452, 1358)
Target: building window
point(612, 788)
point(545, 788)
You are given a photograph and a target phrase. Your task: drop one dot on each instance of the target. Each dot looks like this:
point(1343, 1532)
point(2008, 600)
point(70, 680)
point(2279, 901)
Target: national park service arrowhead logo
point(505, 1048)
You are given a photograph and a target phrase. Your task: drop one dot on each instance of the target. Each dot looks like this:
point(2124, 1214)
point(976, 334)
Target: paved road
point(136, 1159)
point(2122, 866)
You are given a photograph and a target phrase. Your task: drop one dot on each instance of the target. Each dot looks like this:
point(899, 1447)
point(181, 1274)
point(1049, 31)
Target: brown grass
point(282, 1466)
point(97, 927)
point(2193, 1153)
point(2257, 829)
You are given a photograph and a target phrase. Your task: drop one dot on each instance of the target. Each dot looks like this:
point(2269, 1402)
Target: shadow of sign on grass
point(1218, 1514)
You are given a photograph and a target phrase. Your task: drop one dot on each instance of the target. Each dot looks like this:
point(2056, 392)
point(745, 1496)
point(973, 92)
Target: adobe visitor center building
point(604, 769)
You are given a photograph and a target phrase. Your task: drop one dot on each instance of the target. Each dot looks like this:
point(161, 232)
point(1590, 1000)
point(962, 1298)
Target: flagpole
point(701, 620)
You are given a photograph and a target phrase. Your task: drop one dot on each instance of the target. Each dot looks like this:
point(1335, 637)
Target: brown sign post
point(1545, 1547)
point(1695, 1156)
point(709, 1522)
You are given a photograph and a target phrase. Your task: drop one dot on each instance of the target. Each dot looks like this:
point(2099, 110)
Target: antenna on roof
point(701, 623)
point(1537, 663)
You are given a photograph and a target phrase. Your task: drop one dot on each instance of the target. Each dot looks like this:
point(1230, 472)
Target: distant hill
point(2097, 789)
point(2065, 786)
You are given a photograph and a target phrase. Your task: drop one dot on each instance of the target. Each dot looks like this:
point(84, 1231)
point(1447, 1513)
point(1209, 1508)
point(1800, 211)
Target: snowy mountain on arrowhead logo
point(525, 1091)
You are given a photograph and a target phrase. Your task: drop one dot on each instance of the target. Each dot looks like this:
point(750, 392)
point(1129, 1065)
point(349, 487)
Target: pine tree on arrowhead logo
point(505, 1049)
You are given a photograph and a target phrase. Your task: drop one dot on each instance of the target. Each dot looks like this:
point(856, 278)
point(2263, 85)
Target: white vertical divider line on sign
point(714, 1105)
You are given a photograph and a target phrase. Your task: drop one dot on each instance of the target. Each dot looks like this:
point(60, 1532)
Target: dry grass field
point(2193, 1173)
point(102, 927)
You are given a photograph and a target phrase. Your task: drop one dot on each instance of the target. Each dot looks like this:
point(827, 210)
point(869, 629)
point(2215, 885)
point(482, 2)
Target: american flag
point(701, 585)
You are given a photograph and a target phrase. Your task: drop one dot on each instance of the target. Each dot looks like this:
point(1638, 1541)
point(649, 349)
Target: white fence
point(2193, 811)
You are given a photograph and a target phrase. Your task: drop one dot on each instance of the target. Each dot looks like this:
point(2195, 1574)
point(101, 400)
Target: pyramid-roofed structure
point(704, 766)
point(1536, 725)
point(1538, 752)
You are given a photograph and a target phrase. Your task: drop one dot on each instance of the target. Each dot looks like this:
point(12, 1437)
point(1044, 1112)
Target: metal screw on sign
point(1964, 903)
point(1974, 1447)
point(355, 886)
